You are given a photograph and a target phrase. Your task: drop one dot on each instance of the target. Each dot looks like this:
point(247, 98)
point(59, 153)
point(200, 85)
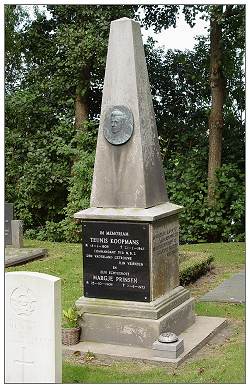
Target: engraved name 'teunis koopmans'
point(111, 240)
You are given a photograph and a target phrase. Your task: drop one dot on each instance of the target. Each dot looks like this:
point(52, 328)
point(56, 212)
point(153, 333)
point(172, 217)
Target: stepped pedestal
point(131, 275)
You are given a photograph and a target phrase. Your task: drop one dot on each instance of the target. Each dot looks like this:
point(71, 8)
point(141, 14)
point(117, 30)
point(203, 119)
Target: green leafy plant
point(71, 316)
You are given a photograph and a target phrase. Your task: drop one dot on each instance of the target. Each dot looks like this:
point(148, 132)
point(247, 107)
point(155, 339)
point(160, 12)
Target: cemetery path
point(231, 290)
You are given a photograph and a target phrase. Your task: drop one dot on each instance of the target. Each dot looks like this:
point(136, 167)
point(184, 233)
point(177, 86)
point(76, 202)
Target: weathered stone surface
point(130, 174)
point(17, 233)
point(136, 331)
point(32, 328)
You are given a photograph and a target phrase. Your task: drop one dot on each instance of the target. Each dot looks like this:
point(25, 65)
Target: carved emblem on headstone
point(23, 301)
point(118, 124)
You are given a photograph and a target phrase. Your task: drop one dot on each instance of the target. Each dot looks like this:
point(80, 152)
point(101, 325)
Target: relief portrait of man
point(118, 125)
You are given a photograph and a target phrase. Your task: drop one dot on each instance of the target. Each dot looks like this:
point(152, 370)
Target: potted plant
point(71, 330)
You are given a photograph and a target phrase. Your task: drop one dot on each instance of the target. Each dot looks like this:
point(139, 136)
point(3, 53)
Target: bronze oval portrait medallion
point(118, 124)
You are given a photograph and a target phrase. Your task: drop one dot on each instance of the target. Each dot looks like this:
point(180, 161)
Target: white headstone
point(33, 350)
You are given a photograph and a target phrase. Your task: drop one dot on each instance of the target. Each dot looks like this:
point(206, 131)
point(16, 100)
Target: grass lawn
point(218, 362)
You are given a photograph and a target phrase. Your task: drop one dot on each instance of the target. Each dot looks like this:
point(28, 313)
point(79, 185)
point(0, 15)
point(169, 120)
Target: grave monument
point(131, 231)
point(33, 351)
point(13, 229)
point(15, 252)
point(8, 217)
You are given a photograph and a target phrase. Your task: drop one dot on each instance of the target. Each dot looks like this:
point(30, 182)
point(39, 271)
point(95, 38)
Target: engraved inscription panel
point(165, 266)
point(118, 124)
point(116, 260)
point(166, 240)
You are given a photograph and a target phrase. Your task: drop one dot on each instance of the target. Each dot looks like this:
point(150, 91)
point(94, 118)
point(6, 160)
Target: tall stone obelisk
point(131, 230)
point(133, 169)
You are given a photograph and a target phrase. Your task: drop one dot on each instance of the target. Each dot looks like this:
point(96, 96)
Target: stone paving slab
point(231, 290)
point(195, 337)
point(15, 256)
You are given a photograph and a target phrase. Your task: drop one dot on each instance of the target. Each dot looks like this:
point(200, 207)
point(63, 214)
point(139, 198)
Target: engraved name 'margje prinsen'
point(118, 124)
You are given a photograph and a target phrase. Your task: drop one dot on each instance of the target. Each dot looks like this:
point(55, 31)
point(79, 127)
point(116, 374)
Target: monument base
point(195, 337)
point(132, 293)
point(135, 323)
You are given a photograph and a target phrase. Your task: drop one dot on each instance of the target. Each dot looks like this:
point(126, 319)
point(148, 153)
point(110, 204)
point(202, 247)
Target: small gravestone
point(32, 328)
point(13, 229)
point(17, 233)
point(15, 253)
point(8, 217)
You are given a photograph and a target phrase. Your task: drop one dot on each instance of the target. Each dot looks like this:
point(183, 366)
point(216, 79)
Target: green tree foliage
point(38, 158)
point(180, 83)
point(49, 160)
point(81, 179)
point(226, 48)
point(15, 18)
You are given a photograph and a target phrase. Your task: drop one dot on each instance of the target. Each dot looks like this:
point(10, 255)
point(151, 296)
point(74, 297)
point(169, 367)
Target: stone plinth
point(135, 319)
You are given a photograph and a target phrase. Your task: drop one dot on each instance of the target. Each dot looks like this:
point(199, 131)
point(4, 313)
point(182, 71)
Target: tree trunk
point(81, 101)
point(217, 92)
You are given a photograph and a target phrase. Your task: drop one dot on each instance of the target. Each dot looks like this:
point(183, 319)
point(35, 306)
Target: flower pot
point(71, 336)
